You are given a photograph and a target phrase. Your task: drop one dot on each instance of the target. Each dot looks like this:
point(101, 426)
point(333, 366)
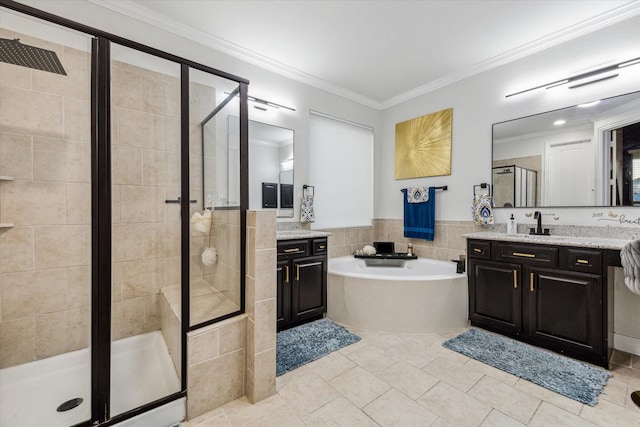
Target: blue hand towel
point(420, 218)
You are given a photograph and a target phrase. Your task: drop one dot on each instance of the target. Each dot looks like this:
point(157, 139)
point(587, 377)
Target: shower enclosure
point(102, 267)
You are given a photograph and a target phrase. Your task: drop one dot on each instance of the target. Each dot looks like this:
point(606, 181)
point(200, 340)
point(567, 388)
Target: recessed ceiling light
point(559, 122)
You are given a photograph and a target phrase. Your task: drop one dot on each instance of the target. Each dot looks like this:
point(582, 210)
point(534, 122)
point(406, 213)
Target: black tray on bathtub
point(399, 255)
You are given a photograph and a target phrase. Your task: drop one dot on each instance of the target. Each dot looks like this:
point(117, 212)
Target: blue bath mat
point(303, 344)
point(575, 380)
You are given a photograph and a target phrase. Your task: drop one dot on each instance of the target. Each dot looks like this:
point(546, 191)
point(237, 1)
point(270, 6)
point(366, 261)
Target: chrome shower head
point(14, 52)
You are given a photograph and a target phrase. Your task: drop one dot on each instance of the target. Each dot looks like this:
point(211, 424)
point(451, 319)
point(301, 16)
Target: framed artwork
point(423, 146)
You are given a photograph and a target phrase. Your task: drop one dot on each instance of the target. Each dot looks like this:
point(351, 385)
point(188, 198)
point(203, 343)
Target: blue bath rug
point(575, 380)
point(303, 344)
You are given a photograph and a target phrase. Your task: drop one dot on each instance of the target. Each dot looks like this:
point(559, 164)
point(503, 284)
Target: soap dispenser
point(512, 226)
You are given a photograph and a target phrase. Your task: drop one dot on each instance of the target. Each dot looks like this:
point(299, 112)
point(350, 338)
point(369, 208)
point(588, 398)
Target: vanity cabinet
point(550, 296)
point(302, 281)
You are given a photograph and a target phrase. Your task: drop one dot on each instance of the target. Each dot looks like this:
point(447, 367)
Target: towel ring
point(483, 186)
point(305, 189)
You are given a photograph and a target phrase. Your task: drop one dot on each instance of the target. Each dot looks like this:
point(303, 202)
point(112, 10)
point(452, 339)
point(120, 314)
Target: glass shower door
point(146, 251)
point(45, 223)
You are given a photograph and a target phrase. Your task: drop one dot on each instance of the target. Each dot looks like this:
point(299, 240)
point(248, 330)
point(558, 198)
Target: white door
point(569, 174)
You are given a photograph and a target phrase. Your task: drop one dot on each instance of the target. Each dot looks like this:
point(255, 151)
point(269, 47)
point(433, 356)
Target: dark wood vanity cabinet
point(302, 281)
point(550, 296)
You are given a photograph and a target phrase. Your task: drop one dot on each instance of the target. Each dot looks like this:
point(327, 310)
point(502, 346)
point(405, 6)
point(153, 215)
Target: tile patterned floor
point(411, 380)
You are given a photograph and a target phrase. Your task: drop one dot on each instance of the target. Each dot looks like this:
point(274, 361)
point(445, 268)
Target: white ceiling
point(378, 53)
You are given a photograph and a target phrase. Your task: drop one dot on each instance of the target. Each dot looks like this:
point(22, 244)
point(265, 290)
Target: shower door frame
point(101, 226)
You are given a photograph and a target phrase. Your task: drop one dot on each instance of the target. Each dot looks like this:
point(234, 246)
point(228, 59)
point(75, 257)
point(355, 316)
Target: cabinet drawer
point(526, 254)
point(290, 248)
point(479, 249)
point(584, 260)
point(319, 246)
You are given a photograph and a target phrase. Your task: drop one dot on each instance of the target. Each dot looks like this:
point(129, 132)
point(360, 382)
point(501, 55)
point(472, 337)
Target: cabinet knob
point(286, 273)
point(515, 279)
point(292, 250)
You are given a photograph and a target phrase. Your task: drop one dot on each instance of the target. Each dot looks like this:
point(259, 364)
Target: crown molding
point(142, 14)
point(604, 20)
point(132, 10)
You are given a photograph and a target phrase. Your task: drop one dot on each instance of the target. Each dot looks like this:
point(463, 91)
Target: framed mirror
point(270, 166)
point(584, 155)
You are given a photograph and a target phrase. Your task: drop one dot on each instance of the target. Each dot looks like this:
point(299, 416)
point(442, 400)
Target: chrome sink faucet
point(538, 230)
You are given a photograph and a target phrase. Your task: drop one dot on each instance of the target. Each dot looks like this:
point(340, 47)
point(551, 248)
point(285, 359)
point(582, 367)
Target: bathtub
point(423, 296)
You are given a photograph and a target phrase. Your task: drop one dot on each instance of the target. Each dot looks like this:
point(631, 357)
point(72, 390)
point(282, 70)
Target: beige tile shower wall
point(261, 292)
point(237, 357)
point(448, 243)
point(216, 365)
point(145, 173)
point(44, 259)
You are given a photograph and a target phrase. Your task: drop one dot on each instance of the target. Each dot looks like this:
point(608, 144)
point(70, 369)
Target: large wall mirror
point(584, 155)
point(270, 166)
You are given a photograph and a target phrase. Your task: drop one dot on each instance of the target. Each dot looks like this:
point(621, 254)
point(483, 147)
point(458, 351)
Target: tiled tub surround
point(447, 245)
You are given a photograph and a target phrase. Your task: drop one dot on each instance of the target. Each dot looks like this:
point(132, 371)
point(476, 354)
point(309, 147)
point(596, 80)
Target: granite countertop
point(300, 234)
point(585, 242)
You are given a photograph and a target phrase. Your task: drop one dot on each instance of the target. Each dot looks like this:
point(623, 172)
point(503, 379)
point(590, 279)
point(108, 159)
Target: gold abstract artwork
point(423, 146)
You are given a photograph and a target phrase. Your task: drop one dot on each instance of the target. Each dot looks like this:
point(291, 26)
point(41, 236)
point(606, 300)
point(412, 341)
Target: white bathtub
point(423, 296)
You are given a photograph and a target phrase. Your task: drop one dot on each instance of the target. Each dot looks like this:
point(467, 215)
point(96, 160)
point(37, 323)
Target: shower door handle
point(178, 200)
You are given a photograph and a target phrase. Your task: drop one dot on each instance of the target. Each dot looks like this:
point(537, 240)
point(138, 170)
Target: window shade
point(341, 170)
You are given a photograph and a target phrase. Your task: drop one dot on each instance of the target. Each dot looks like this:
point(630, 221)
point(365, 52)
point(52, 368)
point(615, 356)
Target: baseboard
point(628, 344)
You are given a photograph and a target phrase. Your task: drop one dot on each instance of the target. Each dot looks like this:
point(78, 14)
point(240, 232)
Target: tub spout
point(459, 265)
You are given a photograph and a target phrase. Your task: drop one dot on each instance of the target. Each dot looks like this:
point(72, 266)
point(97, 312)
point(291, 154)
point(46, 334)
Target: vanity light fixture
point(589, 104)
point(584, 79)
point(262, 104)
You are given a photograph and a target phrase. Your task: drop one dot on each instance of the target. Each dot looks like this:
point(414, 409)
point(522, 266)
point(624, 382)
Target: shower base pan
point(142, 371)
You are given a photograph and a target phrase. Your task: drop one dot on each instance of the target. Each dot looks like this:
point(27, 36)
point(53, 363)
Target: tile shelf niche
point(6, 224)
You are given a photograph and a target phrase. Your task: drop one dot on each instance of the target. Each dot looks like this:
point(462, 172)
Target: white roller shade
point(341, 170)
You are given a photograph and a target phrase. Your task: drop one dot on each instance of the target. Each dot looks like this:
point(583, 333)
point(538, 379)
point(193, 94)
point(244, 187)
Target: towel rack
point(306, 187)
point(443, 188)
point(484, 185)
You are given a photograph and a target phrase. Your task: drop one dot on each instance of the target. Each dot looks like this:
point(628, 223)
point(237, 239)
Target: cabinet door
point(495, 301)
point(564, 311)
point(309, 287)
point(284, 293)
